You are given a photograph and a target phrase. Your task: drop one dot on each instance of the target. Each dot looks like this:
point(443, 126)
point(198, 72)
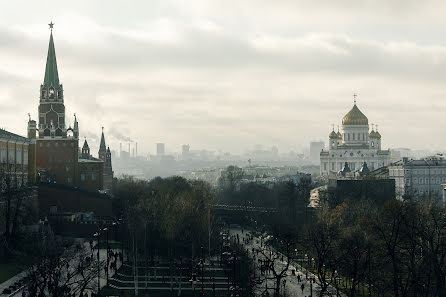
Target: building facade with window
point(17, 158)
point(354, 145)
point(419, 179)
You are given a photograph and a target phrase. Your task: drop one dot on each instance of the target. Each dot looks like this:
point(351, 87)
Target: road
point(292, 285)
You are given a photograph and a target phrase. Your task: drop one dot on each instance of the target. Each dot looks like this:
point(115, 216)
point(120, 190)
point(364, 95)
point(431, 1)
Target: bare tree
point(60, 267)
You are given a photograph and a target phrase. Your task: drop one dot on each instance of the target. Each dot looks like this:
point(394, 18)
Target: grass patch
point(8, 270)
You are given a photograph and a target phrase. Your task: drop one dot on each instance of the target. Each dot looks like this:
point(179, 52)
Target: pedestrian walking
point(302, 287)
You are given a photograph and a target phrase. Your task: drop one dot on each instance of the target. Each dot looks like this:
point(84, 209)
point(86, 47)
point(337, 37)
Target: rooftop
point(90, 160)
point(12, 136)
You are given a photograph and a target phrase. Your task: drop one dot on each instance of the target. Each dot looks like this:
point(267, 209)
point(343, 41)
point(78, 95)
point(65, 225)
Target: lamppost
point(306, 260)
point(106, 244)
point(202, 272)
point(97, 234)
point(193, 280)
point(311, 288)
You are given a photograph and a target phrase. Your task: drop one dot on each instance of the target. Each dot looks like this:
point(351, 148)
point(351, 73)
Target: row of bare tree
point(398, 249)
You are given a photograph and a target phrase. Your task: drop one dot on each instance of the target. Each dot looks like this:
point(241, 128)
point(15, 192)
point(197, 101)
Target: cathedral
point(58, 156)
point(354, 147)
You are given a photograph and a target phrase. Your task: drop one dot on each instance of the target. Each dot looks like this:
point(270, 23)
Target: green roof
point(102, 147)
point(51, 74)
point(9, 135)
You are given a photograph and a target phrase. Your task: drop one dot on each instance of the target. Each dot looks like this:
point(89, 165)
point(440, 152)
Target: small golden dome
point(333, 134)
point(355, 117)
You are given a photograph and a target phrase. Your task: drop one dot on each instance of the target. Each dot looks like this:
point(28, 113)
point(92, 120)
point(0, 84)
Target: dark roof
point(422, 162)
point(102, 147)
point(85, 144)
point(380, 171)
point(9, 135)
point(51, 73)
point(90, 160)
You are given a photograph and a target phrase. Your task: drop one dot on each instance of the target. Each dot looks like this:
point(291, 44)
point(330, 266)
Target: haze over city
point(225, 75)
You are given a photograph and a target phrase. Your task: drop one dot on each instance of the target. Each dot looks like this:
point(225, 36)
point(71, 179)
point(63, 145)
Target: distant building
point(354, 145)
point(316, 147)
point(17, 158)
point(185, 150)
point(419, 179)
point(160, 149)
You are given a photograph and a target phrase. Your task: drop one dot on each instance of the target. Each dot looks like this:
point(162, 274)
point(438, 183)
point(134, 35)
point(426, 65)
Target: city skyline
point(181, 74)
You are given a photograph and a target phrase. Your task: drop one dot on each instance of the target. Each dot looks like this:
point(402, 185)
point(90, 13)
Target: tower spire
point(51, 73)
point(354, 98)
point(102, 147)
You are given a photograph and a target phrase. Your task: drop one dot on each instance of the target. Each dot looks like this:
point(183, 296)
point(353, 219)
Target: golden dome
point(333, 134)
point(355, 117)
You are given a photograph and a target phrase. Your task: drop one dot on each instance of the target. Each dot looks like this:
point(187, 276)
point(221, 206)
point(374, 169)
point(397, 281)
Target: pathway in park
point(21, 275)
point(292, 286)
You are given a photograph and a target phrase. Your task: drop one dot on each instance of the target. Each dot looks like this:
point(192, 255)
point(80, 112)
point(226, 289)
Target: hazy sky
point(222, 74)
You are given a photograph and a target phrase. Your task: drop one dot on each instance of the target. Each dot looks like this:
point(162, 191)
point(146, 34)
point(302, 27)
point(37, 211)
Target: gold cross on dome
point(51, 24)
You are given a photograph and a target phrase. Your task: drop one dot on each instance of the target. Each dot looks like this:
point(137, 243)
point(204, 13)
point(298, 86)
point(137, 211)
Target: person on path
point(302, 287)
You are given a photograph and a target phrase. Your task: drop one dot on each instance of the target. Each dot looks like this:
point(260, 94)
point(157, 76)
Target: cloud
point(226, 74)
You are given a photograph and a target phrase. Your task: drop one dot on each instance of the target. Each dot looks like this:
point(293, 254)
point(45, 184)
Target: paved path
point(103, 281)
point(292, 286)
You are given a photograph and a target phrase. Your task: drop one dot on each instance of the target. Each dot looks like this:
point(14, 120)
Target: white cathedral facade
point(353, 146)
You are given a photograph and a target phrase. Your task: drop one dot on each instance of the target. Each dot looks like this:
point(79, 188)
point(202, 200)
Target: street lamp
point(106, 267)
point(97, 234)
point(122, 241)
point(193, 280)
point(202, 272)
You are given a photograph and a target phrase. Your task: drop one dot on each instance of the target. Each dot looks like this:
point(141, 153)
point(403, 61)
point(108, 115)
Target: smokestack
point(120, 150)
point(129, 149)
point(136, 153)
point(133, 152)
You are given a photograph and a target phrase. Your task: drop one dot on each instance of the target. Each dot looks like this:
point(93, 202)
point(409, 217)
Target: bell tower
point(51, 105)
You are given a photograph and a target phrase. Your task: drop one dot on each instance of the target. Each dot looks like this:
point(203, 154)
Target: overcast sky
point(226, 75)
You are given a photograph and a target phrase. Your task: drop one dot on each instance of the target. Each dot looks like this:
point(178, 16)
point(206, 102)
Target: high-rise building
point(185, 150)
point(316, 148)
point(160, 149)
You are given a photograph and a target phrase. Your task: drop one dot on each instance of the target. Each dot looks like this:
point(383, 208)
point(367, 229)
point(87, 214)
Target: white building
point(355, 144)
point(419, 178)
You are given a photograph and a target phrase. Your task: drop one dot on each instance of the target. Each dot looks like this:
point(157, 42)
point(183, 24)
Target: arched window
point(373, 144)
